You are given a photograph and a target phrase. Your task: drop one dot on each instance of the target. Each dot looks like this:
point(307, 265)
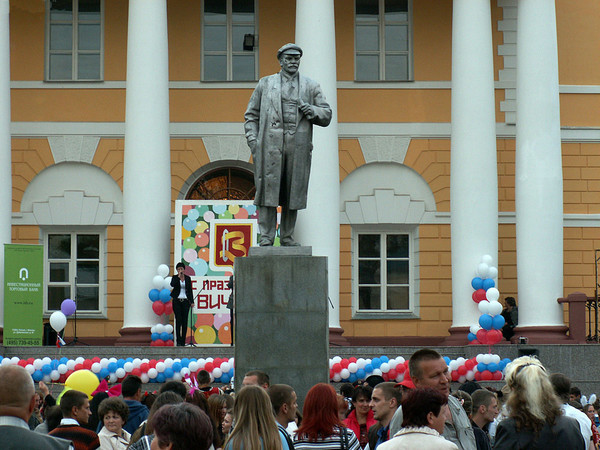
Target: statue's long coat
point(264, 122)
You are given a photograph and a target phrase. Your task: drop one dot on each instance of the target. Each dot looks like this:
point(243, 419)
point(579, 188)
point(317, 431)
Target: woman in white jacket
point(424, 413)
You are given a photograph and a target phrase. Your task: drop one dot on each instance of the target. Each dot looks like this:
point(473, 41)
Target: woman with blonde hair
point(535, 418)
point(255, 427)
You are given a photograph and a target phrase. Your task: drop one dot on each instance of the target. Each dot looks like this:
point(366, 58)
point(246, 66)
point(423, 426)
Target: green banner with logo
point(23, 294)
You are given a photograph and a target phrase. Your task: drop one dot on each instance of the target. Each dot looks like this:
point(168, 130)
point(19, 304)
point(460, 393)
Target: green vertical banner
point(23, 294)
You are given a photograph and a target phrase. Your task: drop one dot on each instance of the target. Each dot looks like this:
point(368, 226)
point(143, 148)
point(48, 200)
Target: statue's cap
point(289, 48)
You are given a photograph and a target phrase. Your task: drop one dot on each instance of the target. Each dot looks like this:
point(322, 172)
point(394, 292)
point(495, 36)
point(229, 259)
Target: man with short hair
point(428, 369)
point(562, 388)
point(285, 403)
point(575, 394)
point(17, 401)
point(385, 400)
point(204, 386)
point(485, 410)
point(75, 408)
point(131, 390)
point(256, 378)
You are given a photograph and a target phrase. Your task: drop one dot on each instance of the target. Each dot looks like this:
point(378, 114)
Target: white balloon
point(462, 379)
point(496, 359)
point(112, 359)
point(453, 365)
point(145, 378)
point(71, 364)
point(128, 366)
point(158, 281)
point(30, 369)
point(352, 367)
point(336, 359)
point(377, 372)
point(330, 364)
point(136, 363)
point(484, 307)
point(474, 329)
point(112, 378)
point(492, 294)
point(470, 375)
point(160, 328)
point(209, 359)
point(54, 375)
point(361, 363)
point(495, 308)
point(385, 367)
point(167, 283)
point(479, 358)
point(152, 373)
point(169, 328)
point(37, 363)
point(460, 360)
point(400, 360)
point(225, 367)
point(168, 362)
point(483, 270)
point(176, 376)
point(62, 369)
point(104, 363)
point(120, 372)
point(58, 321)
point(493, 272)
point(153, 329)
point(487, 359)
point(337, 378)
point(217, 373)
point(79, 360)
point(345, 374)
point(193, 366)
point(96, 367)
point(487, 259)
point(46, 379)
point(45, 360)
point(160, 366)
point(393, 363)
point(163, 270)
point(6, 362)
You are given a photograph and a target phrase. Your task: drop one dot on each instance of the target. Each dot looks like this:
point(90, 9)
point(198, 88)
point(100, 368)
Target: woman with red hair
point(321, 427)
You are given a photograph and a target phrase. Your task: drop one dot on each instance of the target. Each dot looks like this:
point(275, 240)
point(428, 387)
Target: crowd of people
point(534, 409)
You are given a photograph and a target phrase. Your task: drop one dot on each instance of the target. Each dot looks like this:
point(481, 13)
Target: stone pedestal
point(281, 318)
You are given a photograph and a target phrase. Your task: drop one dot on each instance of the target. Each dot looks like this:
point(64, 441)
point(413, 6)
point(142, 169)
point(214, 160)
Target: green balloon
point(189, 242)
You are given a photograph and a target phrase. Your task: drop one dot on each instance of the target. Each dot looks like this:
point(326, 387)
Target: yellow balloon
point(201, 227)
point(205, 335)
point(84, 381)
point(234, 209)
point(67, 388)
point(185, 233)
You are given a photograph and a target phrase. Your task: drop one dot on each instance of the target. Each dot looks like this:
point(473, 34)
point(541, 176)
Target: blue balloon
point(165, 336)
point(492, 367)
point(104, 372)
point(505, 361)
point(193, 214)
point(481, 367)
point(361, 374)
point(447, 359)
point(488, 283)
point(37, 375)
point(160, 378)
point(165, 295)
point(169, 372)
point(120, 363)
point(369, 368)
point(231, 373)
point(498, 322)
point(384, 359)
point(176, 367)
point(64, 360)
point(112, 367)
point(470, 337)
point(46, 369)
point(153, 295)
point(225, 378)
point(477, 283)
point(129, 360)
point(485, 320)
point(185, 362)
point(376, 363)
point(219, 209)
point(189, 223)
point(352, 378)
point(155, 336)
point(54, 364)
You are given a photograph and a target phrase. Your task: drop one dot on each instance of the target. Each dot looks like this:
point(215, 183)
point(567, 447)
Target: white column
point(538, 166)
point(319, 224)
point(473, 172)
point(147, 168)
point(5, 145)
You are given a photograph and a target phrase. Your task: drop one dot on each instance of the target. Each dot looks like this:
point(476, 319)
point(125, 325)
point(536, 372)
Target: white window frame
point(229, 53)
point(381, 52)
point(74, 52)
point(101, 312)
point(413, 269)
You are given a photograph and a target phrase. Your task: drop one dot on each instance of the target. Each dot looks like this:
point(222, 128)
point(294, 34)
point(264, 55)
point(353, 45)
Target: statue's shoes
point(265, 243)
point(289, 242)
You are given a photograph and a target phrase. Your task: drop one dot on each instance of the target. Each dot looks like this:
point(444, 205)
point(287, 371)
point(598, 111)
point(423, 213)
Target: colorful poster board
point(23, 294)
point(209, 235)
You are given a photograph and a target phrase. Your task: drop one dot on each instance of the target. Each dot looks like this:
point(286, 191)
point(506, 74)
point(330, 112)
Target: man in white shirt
point(562, 387)
point(17, 401)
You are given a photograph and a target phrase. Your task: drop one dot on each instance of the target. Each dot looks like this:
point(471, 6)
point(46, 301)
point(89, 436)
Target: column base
point(336, 338)
point(458, 336)
point(542, 335)
point(134, 337)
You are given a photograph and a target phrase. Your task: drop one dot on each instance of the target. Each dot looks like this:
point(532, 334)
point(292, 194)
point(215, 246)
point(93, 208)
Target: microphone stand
point(191, 344)
point(76, 340)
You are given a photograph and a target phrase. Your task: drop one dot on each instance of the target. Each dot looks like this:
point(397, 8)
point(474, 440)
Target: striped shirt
point(333, 442)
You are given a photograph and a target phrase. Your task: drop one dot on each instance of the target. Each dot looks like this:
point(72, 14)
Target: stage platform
point(580, 362)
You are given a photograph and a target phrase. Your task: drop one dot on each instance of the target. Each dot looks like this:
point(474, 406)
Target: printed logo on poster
point(230, 239)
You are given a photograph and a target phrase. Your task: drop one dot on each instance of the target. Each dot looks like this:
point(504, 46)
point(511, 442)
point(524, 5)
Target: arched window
point(223, 183)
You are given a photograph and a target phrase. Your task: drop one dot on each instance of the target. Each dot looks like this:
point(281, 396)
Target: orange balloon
point(225, 333)
point(205, 319)
point(204, 253)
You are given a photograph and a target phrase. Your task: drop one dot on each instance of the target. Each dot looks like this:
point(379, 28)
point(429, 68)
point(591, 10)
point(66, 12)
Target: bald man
point(17, 400)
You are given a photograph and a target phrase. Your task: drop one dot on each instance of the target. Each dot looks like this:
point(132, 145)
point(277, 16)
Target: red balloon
point(482, 336)
point(331, 374)
point(152, 363)
point(144, 367)
point(477, 376)
point(497, 375)
point(479, 295)
point(169, 343)
point(494, 336)
point(209, 366)
point(168, 308)
point(30, 360)
point(469, 364)
point(486, 375)
point(455, 376)
point(400, 368)
point(158, 307)
point(474, 342)
point(79, 367)
point(22, 363)
point(352, 360)
point(62, 378)
point(392, 374)
point(337, 368)
point(462, 370)
point(95, 359)
point(87, 364)
point(344, 362)
point(159, 342)
point(153, 344)
point(137, 372)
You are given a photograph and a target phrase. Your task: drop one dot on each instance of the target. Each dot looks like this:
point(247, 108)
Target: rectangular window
point(383, 272)
point(229, 46)
point(383, 40)
point(74, 40)
point(74, 269)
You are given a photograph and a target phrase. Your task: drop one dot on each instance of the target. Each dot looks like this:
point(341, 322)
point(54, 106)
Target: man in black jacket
point(183, 299)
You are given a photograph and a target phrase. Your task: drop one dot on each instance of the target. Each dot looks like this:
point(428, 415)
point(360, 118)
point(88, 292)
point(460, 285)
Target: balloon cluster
point(160, 296)
point(485, 294)
point(482, 367)
point(353, 369)
point(149, 370)
point(58, 319)
point(162, 335)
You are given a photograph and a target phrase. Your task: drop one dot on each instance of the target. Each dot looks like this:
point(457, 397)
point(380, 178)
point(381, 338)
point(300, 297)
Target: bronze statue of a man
point(279, 120)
